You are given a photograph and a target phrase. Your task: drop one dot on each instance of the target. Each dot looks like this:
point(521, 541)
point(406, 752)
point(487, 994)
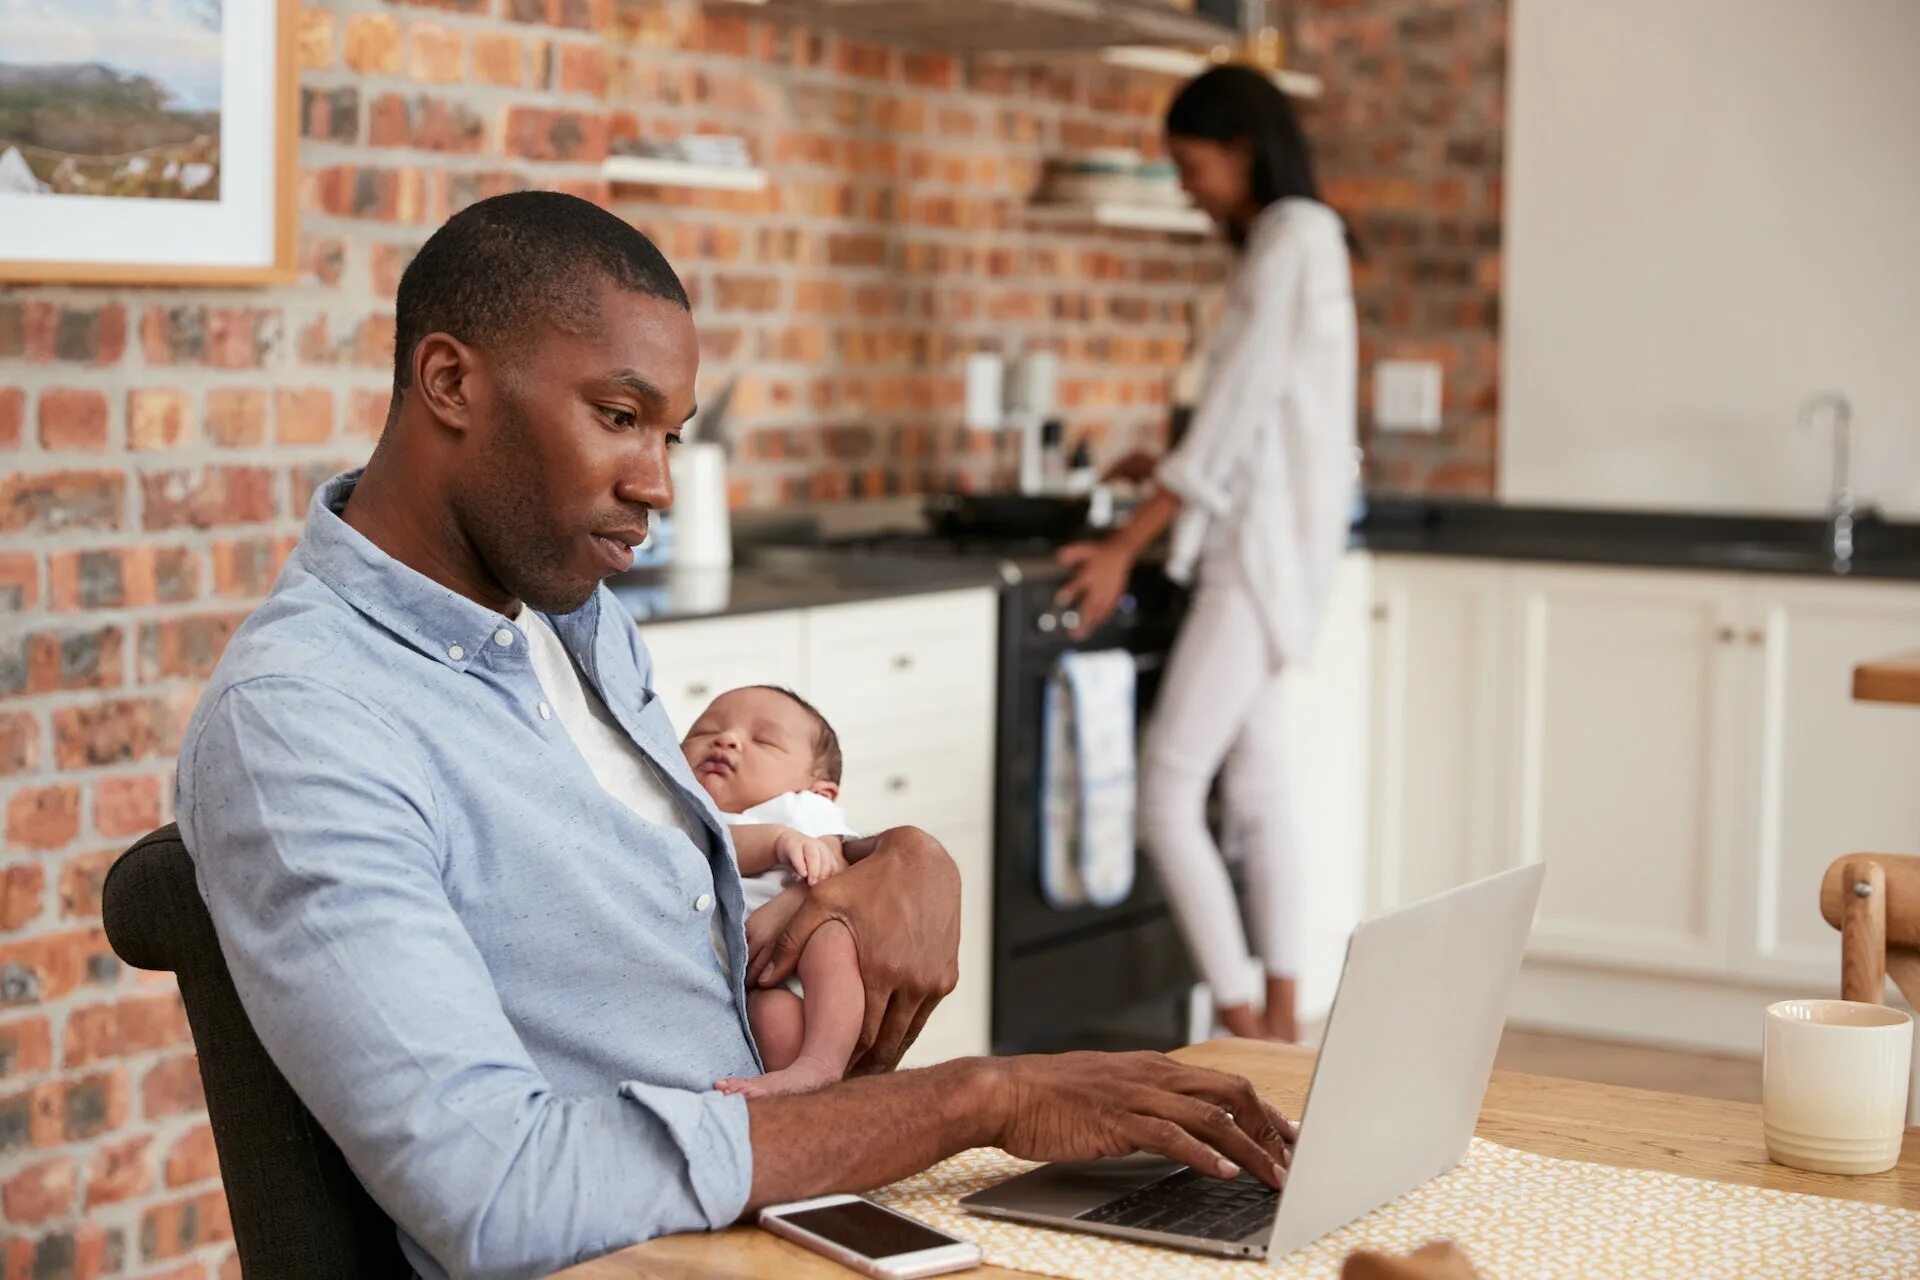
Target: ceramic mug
point(1833, 1085)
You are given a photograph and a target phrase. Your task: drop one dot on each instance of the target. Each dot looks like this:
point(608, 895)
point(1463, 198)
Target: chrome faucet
point(1842, 507)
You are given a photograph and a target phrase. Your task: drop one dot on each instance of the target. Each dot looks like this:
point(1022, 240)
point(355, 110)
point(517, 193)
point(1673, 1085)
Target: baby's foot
point(804, 1076)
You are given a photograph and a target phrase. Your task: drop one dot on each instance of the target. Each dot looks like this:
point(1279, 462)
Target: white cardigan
point(1266, 471)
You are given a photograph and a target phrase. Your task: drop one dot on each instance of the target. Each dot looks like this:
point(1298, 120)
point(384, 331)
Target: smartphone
point(874, 1241)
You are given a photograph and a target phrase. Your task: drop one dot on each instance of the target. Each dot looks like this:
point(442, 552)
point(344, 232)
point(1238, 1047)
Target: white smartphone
point(871, 1239)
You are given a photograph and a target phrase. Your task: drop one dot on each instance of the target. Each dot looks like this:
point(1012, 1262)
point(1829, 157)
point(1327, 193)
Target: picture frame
point(159, 151)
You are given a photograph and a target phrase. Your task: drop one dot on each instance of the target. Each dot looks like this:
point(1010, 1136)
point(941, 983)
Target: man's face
point(569, 445)
point(753, 745)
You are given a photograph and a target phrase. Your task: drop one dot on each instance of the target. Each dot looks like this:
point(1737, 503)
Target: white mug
point(1833, 1085)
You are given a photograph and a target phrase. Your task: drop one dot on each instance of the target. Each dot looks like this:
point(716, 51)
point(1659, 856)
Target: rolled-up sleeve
point(313, 826)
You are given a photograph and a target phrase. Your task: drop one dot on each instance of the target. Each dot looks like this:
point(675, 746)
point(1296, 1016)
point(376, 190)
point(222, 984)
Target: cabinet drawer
point(695, 662)
point(904, 662)
point(939, 790)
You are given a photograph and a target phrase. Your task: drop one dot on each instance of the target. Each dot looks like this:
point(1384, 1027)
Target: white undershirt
point(618, 764)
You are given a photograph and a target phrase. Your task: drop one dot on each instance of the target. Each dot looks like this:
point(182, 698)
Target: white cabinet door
point(962, 1026)
point(1832, 776)
point(1624, 773)
point(1439, 690)
point(695, 662)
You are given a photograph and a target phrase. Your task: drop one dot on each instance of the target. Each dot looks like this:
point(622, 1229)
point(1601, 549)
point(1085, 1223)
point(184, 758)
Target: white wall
point(1713, 210)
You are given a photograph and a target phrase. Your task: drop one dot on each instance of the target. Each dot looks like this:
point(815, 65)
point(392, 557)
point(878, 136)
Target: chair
point(1873, 899)
point(298, 1211)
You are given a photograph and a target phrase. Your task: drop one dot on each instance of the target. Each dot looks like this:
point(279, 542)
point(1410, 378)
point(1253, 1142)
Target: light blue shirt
point(492, 983)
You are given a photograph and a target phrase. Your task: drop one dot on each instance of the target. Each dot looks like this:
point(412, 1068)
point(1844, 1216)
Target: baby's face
point(750, 746)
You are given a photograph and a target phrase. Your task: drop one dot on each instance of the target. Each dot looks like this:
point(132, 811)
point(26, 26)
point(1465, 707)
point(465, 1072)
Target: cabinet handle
point(1756, 637)
point(903, 662)
point(896, 784)
point(1727, 635)
point(1379, 613)
point(697, 690)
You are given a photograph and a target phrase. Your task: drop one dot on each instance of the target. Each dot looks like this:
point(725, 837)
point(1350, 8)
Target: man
point(474, 903)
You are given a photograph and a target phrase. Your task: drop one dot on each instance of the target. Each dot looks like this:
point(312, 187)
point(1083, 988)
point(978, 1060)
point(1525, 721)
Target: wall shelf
point(1187, 62)
point(1128, 217)
point(648, 171)
point(987, 26)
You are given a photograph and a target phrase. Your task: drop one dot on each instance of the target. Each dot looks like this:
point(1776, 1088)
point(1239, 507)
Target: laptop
point(1395, 1093)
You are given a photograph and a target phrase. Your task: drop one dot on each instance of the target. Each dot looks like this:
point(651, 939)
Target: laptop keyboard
point(1188, 1204)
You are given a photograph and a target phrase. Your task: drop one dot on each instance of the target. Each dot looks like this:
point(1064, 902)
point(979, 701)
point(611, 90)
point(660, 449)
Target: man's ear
point(825, 787)
point(443, 376)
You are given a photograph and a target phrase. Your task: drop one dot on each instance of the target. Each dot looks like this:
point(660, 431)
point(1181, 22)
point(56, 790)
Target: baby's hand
point(812, 859)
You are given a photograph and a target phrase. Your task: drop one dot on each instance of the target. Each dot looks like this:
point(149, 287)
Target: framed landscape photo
point(147, 141)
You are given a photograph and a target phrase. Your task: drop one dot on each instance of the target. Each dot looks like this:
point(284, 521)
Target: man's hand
point(1083, 1106)
point(900, 898)
point(766, 925)
point(812, 859)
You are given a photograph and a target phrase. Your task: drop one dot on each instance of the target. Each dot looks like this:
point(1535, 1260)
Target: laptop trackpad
point(1068, 1190)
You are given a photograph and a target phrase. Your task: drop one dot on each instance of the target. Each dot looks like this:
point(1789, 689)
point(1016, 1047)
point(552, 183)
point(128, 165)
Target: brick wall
point(158, 446)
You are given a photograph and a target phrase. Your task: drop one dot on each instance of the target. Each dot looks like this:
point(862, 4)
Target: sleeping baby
point(771, 763)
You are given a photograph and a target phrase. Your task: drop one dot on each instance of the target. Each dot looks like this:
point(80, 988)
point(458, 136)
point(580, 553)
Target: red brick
point(434, 52)
point(302, 415)
point(185, 646)
point(223, 337)
point(96, 336)
point(169, 1230)
point(583, 69)
point(81, 880)
point(127, 806)
point(19, 743)
point(26, 1047)
point(111, 731)
point(230, 1268)
point(139, 1025)
point(49, 966)
point(52, 661)
point(172, 1087)
point(212, 496)
point(121, 577)
point(192, 1159)
point(373, 44)
point(119, 1171)
point(313, 38)
point(158, 418)
point(59, 500)
point(535, 133)
point(245, 569)
point(40, 1192)
point(367, 413)
point(498, 59)
point(237, 416)
point(43, 817)
point(13, 413)
point(19, 581)
point(72, 418)
point(22, 894)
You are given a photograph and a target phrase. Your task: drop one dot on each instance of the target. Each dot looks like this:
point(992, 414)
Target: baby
point(771, 763)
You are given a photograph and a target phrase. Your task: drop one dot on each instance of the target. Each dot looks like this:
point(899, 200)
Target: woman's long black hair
point(1229, 104)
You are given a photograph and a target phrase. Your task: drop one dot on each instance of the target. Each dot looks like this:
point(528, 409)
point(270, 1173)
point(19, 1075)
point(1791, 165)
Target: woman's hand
point(1101, 572)
point(1136, 467)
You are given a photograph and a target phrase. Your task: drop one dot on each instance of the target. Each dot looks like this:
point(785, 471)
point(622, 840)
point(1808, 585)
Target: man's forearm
point(868, 1132)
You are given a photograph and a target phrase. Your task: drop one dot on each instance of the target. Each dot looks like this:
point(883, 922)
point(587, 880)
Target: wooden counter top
point(1570, 1119)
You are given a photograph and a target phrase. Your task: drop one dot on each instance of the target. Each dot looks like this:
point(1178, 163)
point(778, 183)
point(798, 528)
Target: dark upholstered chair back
point(298, 1211)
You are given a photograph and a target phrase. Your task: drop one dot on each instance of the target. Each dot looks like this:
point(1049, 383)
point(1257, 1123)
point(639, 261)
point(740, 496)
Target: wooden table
point(1888, 680)
point(1631, 1128)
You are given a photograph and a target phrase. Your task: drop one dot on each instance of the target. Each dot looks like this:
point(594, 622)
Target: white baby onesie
point(809, 813)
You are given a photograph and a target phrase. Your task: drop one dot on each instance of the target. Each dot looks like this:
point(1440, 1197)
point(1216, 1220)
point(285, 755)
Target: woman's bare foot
point(1281, 1021)
point(807, 1074)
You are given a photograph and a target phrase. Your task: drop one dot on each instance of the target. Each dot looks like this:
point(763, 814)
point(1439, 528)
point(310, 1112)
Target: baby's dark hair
point(827, 761)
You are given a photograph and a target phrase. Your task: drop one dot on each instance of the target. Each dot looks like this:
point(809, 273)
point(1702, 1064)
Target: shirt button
point(546, 712)
point(455, 652)
point(503, 637)
point(702, 902)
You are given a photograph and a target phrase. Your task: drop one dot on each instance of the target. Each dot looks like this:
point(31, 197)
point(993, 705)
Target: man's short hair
point(828, 762)
point(505, 265)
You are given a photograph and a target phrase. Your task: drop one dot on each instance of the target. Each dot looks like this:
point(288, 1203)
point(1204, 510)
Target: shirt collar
point(435, 619)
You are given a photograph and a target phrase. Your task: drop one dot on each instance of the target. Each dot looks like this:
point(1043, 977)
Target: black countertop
point(770, 579)
point(1659, 539)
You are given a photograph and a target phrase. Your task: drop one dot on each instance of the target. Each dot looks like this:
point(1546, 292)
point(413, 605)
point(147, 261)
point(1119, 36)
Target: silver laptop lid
point(1408, 1052)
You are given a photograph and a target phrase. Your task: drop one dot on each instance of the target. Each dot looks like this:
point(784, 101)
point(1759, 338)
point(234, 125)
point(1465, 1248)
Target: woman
point(1258, 494)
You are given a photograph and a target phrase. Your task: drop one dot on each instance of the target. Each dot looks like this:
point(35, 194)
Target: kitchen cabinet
point(908, 684)
point(1680, 747)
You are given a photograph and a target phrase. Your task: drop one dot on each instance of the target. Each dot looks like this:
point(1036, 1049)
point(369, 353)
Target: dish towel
point(1087, 786)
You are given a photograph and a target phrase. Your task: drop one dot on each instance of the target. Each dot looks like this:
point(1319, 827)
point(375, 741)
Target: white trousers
point(1220, 704)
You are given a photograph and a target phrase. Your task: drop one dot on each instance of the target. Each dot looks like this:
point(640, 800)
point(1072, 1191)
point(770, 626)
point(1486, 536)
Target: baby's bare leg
point(836, 1002)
